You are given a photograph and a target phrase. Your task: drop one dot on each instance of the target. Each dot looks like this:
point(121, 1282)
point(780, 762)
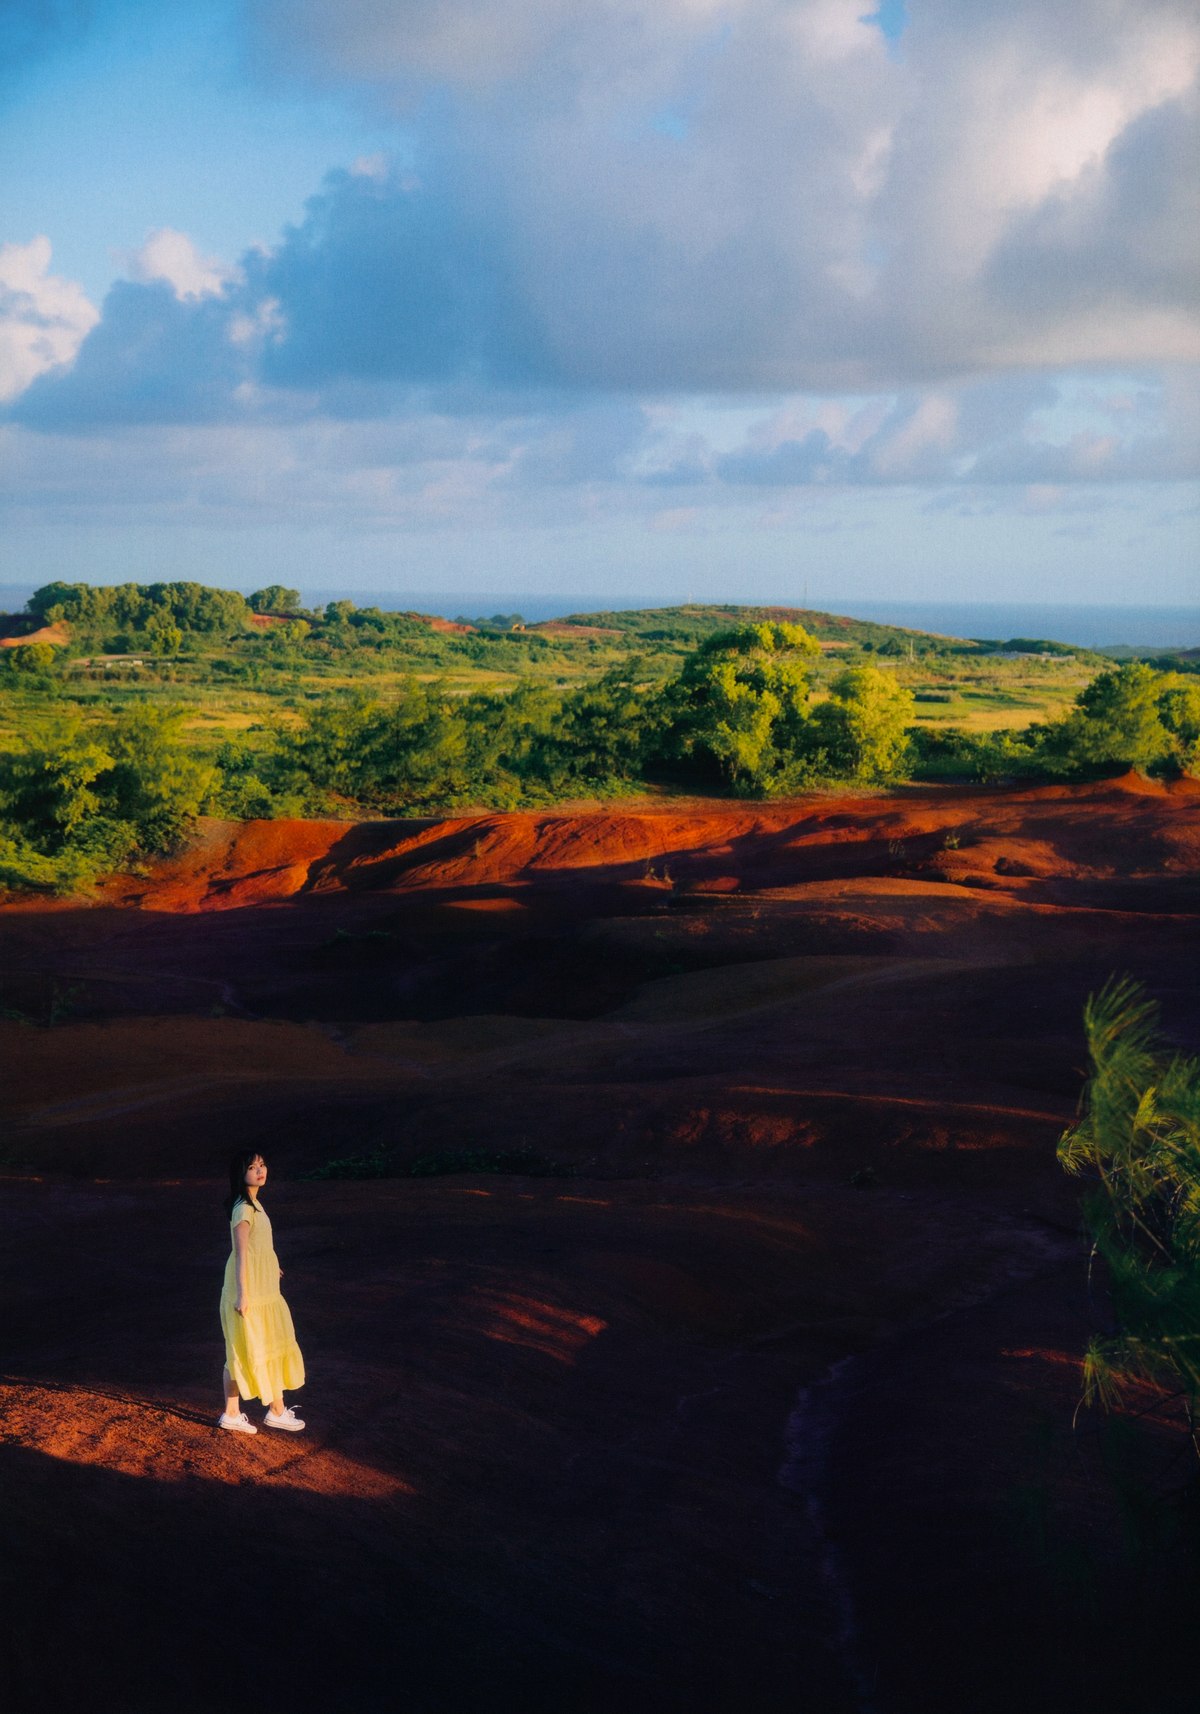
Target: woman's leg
point(233, 1403)
point(277, 1405)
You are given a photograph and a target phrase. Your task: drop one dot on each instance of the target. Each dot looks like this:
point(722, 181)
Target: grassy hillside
point(258, 668)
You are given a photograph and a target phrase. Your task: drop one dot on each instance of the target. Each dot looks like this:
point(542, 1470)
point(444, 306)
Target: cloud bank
point(758, 194)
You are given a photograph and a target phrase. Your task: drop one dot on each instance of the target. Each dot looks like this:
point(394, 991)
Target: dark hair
point(238, 1165)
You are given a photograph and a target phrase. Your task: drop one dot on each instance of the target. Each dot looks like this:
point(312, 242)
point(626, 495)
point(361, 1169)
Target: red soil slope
point(57, 634)
point(449, 627)
point(1116, 831)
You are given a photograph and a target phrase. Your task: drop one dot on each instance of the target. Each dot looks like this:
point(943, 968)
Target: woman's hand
point(240, 1306)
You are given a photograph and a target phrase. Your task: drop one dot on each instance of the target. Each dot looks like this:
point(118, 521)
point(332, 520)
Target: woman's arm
point(241, 1247)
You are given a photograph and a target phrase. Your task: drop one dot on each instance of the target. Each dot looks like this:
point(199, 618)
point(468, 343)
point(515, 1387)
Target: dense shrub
point(1138, 1145)
point(151, 610)
point(1117, 720)
point(982, 758)
point(78, 800)
point(739, 711)
point(863, 727)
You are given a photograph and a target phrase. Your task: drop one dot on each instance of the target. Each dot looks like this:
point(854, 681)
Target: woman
point(261, 1353)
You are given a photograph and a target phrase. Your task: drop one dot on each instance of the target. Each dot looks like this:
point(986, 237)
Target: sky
point(719, 299)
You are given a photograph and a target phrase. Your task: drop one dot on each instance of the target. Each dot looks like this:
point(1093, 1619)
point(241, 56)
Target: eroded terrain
point(763, 1402)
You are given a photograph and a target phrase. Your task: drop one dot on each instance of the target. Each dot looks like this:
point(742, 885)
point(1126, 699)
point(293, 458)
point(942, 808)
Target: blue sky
point(731, 298)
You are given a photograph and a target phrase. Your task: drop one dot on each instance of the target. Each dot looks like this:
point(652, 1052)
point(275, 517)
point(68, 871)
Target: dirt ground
point(759, 1397)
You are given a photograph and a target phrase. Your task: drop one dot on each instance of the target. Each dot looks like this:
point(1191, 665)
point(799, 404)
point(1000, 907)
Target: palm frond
point(1137, 1143)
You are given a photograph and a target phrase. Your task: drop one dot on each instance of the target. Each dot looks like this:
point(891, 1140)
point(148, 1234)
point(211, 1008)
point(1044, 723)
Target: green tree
point(607, 730)
point(77, 801)
point(512, 741)
point(275, 598)
point(50, 789)
point(154, 783)
point(22, 865)
point(32, 658)
point(58, 601)
point(1179, 711)
point(1117, 719)
point(1138, 1145)
point(420, 754)
point(193, 607)
point(132, 609)
point(739, 707)
point(863, 725)
point(163, 634)
point(251, 781)
point(406, 752)
point(331, 750)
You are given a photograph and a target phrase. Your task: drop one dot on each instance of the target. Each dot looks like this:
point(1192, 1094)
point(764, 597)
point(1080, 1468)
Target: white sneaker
point(288, 1420)
point(239, 1424)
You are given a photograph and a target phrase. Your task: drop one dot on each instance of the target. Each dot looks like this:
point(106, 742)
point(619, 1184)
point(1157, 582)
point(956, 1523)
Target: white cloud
point(812, 211)
point(893, 254)
point(931, 429)
point(265, 322)
point(171, 256)
point(43, 318)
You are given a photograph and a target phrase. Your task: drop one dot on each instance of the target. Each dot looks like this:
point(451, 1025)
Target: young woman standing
point(262, 1357)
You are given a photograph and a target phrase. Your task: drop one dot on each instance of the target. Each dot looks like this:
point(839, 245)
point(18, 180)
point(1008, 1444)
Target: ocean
point(1096, 627)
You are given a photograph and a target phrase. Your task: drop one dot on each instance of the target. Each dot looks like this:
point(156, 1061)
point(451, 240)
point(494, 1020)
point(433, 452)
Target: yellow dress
point(261, 1352)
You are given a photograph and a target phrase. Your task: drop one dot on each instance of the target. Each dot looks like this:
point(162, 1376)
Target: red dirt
point(1115, 831)
point(575, 1442)
point(448, 627)
point(57, 634)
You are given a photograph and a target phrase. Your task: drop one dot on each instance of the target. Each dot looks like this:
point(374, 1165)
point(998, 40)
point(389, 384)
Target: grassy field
point(1010, 694)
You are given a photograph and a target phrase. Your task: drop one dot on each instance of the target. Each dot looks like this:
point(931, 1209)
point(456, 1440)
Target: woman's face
point(256, 1173)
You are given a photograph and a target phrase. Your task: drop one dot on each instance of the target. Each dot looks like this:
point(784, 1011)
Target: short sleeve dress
point(261, 1352)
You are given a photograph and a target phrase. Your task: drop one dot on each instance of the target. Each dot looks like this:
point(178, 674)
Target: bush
point(862, 727)
point(984, 758)
point(1138, 1143)
point(1179, 711)
point(739, 709)
point(1117, 720)
point(33, 659)
point(122, 611)
point(78, 801)
point(275, 599)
